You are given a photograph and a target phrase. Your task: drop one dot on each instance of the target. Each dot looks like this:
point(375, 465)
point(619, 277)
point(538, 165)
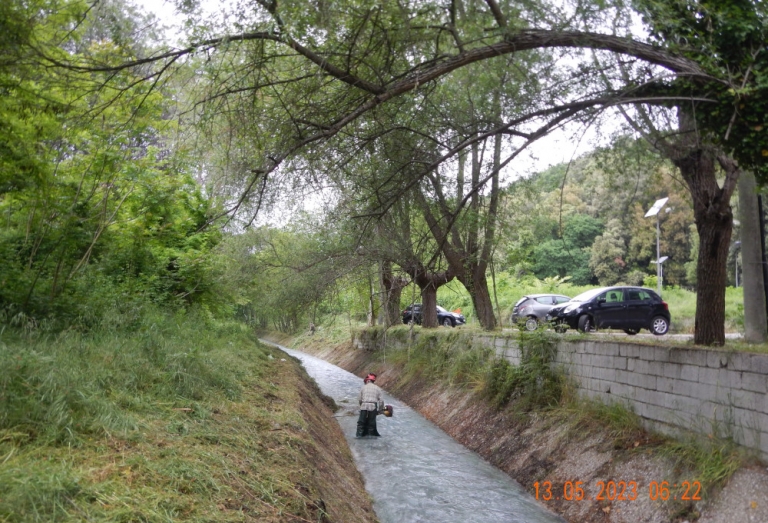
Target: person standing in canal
point(371, 402)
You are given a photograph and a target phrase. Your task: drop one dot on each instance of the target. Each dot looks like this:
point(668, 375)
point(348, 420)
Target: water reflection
point(416, 472)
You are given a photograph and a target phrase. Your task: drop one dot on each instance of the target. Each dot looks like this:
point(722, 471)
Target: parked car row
point(622, 307)
point(412, 313)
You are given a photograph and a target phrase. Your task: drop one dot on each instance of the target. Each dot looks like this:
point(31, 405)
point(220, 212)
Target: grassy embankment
point(177, 418)
point(533, 392)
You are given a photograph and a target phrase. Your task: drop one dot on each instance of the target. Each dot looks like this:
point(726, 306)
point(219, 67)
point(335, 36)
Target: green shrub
point(533, 383)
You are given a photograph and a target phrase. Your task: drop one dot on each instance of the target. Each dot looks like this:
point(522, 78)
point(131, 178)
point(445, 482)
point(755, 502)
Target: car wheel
point(447, 322)
point(659, 325)
point(531, 323)
point(631, 332)
point(585, 324)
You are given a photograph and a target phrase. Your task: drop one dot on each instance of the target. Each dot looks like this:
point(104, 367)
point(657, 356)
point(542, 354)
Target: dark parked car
point(627, 308)
point(444, 317)
point(533, 308)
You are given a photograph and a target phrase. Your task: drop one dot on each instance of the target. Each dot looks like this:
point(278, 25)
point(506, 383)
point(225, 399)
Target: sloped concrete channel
point(416, 472)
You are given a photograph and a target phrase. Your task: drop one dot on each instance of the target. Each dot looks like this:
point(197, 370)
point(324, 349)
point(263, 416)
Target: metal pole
point(658, 255)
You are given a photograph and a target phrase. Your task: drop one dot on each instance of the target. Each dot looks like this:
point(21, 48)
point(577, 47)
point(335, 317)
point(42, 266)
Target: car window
point(562, 299)
point(613, 296)
point(546, 300)
point(521, 301)
point(588, 295)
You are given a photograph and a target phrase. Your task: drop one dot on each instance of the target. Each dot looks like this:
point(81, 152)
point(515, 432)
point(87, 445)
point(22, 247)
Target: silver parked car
point(533, 308)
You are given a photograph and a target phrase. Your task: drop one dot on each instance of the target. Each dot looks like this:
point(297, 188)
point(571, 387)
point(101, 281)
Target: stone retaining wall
point(670, 388)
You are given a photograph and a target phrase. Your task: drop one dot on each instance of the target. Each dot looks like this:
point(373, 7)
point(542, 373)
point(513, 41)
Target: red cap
point(370, 377)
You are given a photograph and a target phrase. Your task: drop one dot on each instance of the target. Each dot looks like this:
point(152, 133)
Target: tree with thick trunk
point(428, 282)
point(391, 289)
point(714, 222)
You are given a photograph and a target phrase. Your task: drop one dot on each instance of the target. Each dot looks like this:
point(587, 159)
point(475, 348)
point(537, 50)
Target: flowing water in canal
point(415, 471)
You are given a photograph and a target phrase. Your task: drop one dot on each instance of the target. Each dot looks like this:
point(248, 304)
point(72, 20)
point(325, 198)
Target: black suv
point(627, 308)
point(444, 317)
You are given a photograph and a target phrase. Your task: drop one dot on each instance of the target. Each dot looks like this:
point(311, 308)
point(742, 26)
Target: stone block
point(754, 382)
point(758, 363)
point(620, 390)
point(629, 350)
point(690, 406)
point(605, 374)
point(709, 375)
point(748, 420)
point(659, 413)
point(619, 362)
point(717, 359)
point(740, 361)
point(672, 370)
point(696, 357)
point(761, 421)
point(729, 378)
point(599, 360)
point(702, 391)
point(689, 372)
point(656, 354)
point(649, 367)
point(665, 384)
point(645, 381)
point(745, 399)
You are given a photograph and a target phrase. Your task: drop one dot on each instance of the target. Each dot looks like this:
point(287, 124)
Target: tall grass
point(78, 410)
point(62, 387)
point(450, 356)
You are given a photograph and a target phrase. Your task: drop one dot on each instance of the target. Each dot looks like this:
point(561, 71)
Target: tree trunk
point(714, 220)
point(429, 307)
point(475, 282)
point(391, 290)
point(428, 282)
point(755, 330)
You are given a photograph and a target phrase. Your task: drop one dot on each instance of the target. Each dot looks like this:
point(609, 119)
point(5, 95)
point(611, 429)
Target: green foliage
point(533, 384)
point(710, 462)
point(727, 39)
point(558, 258)
point(94, 207)
point(607, 253)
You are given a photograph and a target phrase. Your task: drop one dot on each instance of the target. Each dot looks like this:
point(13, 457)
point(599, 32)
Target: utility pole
point(753, 284)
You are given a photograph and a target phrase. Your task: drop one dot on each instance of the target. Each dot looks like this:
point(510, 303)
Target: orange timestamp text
point(617, 491)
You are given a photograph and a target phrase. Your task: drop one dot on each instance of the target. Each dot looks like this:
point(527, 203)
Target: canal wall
point(672, 389)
